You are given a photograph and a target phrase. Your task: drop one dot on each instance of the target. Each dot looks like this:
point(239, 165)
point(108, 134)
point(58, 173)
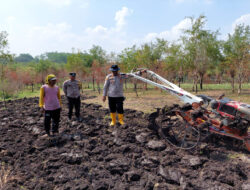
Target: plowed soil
point(92, 155)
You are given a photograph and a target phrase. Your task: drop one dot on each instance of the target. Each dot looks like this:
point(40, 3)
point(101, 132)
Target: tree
point(5, 57)
point(33, 79)
point(99, 59)
point(151, 53)
point(98, 54)
point(42, 68)
point(87, 59)
point(128, 59)
point(57, 57)
point(76, 63)
point(24, 58)
point(98, 74)
point(175, 61)
point(236, 50)
point(202, 49)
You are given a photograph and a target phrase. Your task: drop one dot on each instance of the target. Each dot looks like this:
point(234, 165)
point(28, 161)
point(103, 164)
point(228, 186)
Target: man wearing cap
point(71, 90)
point(50, 104)
point(113, 88)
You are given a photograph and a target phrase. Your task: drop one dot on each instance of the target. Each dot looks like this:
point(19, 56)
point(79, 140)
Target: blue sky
point(39, 26)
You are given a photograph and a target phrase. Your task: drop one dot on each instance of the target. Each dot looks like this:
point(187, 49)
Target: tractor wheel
point(179, 133)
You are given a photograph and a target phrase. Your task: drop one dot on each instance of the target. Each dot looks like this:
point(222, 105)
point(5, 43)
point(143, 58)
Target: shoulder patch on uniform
point(108, 77)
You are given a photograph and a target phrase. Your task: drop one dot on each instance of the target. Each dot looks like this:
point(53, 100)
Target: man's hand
point(104, 98)
point(142, 71)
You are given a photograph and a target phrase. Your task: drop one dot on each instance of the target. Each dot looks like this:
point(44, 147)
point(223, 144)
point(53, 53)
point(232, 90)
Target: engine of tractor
point(238, 123)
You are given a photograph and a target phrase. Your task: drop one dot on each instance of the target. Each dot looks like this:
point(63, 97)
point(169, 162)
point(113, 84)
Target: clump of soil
point(92, 155)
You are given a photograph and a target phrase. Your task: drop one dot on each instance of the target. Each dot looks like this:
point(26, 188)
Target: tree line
point(198, 56)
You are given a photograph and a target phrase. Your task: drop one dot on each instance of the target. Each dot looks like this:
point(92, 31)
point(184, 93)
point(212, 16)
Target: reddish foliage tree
point(98, 74)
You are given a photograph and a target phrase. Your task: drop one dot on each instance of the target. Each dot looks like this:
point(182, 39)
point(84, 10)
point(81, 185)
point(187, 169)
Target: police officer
point(113, 88)
point(71, 90)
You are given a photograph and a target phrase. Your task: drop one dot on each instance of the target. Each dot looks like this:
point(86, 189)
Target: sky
point(39, 26)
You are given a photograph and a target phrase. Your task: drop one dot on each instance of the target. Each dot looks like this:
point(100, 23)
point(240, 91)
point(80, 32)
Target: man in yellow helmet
point(50, 104)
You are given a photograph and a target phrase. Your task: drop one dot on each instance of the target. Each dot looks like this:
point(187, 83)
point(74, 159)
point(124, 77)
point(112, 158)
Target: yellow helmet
point(50, 77)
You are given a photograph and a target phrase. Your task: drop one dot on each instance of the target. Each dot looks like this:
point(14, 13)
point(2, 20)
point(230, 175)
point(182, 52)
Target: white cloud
point(120, 17)
point(61, 37)
point(172, 34)
point(113, 37)
point(99, 29)
point(50, 31)
point(112, 31)
point(10, 19)
point(41, 39)
point(244, 19)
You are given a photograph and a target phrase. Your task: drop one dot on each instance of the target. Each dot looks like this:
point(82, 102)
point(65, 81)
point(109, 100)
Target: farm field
point(120, 61)
point(92, 155)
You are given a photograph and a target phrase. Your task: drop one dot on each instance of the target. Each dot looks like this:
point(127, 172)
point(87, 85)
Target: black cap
point(72, 74)
point(114, 68)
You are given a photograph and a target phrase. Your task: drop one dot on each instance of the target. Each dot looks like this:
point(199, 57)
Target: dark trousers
point(55, 116)
point(74, 102)
point(116, 104)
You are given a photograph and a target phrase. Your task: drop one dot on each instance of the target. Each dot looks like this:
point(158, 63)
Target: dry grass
point(5, 175)
point(148, 101)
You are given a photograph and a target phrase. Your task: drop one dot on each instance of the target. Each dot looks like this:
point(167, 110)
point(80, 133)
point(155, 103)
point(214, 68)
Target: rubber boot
point(113, 119)
point(120, 117)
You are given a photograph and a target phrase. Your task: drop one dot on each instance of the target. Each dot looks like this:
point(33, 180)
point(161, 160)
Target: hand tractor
point(201, 115)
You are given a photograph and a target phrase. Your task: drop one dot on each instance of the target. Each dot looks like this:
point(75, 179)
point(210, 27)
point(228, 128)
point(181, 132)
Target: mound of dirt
point(92, 155)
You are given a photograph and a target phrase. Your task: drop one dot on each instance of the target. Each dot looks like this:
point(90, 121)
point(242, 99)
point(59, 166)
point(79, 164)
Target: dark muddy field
point(91, 155)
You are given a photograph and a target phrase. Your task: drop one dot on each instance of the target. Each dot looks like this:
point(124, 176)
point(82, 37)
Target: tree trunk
point(240, 76)
point(93, 83)
point(195, 84)
point(2, 73)
point(126, 84)
point(98, 88)
point(32, 87)
point(232, 83)
point(239, 88)
point(135, 88)
point(240, 85)
point(180, 80)
point(196, 87)
point(201, 82)
point(4, 100)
